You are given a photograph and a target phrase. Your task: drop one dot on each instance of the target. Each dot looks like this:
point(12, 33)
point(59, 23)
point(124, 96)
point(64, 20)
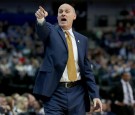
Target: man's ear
point(75, 17)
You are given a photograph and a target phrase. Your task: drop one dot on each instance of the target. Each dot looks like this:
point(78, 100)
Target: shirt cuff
point(40, 21)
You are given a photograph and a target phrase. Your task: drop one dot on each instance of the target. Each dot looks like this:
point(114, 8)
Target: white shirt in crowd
point(127, 95)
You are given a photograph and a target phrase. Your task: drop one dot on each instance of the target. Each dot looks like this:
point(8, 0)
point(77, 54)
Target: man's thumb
point(94, 103)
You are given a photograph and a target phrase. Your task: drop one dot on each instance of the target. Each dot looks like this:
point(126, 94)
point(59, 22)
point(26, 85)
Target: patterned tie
point(71, 69)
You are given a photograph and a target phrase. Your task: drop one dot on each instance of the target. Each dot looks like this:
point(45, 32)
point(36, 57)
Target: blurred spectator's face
point(126, 77)
point(66, 16)
point(36, 105)
point(31, 100)
point(3, 101)
point(25, 102)
point(120, 24)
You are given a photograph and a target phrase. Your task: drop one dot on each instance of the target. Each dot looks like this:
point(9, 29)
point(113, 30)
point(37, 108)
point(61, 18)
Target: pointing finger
point(42, 9)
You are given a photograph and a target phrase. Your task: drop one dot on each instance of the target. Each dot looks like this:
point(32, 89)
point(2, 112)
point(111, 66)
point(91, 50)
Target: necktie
point(71, 69)
point(128, 93)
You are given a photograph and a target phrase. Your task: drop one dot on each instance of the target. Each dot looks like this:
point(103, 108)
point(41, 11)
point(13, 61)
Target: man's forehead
point(66, 6)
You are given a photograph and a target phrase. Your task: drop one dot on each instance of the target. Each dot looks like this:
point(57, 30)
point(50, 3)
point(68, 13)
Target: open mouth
point(63, 19)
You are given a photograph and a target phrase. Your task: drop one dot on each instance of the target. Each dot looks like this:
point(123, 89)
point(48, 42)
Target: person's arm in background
point(90, 80)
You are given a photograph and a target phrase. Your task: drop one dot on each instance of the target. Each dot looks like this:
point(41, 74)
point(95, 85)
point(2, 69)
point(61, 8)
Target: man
point(122, 96)
point(65, 76)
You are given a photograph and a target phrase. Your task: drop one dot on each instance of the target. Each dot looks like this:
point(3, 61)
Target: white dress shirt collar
point(70, 32)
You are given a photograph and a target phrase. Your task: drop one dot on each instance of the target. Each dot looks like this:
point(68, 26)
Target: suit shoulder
point(81, 36)
point(44, 24)
point(50, 25)
point(117, 85)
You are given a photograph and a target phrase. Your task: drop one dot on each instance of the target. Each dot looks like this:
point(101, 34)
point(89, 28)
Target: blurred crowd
point(114, 51)
point(111, 52)
point(21, 53)
point(20, 56)
point(17, 104)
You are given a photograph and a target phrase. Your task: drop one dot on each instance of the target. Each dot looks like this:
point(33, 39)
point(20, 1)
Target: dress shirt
point(127, 94)
point(75, 51)
point(40, 21)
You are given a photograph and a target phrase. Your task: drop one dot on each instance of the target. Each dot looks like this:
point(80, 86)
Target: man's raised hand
point(41, 13)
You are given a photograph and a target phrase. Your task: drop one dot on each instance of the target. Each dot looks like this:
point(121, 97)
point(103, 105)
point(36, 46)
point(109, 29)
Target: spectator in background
point(120, 28)
point(122, 96)
point(124, 12)
point(31, 101)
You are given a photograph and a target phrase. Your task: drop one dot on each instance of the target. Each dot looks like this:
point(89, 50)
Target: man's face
point(126, 77)
point(66, 16)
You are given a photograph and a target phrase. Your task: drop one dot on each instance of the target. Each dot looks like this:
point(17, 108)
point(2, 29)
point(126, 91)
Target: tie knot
point(67, 33)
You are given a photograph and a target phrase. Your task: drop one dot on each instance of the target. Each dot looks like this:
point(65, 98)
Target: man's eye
point(60, 11)
point(67, 11)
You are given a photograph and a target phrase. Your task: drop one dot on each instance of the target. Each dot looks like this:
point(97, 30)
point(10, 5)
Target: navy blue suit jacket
point(55, 60)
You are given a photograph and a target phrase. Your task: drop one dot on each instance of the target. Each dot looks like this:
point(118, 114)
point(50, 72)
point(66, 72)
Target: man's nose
point(63, 13)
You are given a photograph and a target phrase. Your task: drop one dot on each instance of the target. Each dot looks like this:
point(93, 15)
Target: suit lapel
point(62, 36)
point(77, 38)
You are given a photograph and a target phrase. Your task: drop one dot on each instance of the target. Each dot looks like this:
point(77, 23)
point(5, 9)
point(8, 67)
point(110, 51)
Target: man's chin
point(64, 26)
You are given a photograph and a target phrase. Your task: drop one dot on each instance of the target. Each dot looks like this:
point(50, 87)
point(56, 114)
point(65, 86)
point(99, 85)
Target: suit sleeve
point(89, 77)
point(43, 30)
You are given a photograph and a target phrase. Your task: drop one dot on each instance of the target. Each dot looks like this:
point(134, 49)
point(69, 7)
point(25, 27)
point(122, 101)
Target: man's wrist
point(40, 21)
point(96, 99)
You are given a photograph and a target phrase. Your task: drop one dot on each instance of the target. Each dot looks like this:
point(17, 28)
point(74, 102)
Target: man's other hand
point(97, 105)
